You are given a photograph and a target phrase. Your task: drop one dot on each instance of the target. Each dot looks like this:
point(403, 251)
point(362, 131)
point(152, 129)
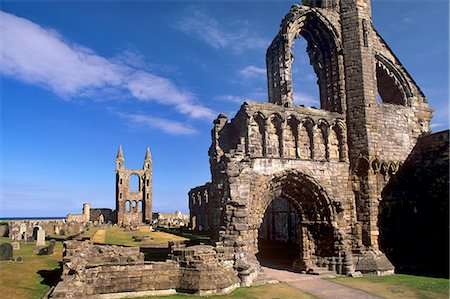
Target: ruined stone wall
point(414, 212)
point(133, 207)
point(102, 215)
point(331, 163)
point(90, 270)
point(203, 209)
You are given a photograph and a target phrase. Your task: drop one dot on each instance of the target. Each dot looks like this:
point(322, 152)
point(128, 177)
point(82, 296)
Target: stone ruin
point(327, 166)
point(312, 177)
point(91, 270)
point(133, 207)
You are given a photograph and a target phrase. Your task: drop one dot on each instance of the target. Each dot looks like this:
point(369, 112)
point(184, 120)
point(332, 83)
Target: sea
point(32, 218)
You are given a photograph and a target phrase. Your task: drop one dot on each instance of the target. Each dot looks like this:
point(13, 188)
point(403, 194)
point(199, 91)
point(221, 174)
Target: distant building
point(100, 215)
point(133, 207)
point(172, 220)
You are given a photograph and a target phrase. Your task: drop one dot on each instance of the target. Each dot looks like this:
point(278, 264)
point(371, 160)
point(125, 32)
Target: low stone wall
point(91, 271)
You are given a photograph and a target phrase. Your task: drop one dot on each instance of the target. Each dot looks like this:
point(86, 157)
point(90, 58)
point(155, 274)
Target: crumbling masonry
point(330, 164)
point(312, 177)
point(133, 207)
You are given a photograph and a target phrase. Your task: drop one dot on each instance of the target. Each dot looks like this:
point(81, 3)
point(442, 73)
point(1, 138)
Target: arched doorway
point(279, 233)
point(296, 227)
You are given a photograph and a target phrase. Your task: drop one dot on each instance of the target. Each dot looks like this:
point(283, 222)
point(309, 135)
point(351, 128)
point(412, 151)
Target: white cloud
point(40, 56)
point(207, 29)
point(230, 98)
point(301, 98)
point(255, 96)
point(252, 71)
point(166, 125)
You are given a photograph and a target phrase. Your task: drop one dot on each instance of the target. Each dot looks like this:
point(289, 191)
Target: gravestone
point(19, 259)
point(15, 245)
point(57, 230)
point(62, 232)
point(6, 252)
point(22, 229)
point(40, 238)
point(49, 249)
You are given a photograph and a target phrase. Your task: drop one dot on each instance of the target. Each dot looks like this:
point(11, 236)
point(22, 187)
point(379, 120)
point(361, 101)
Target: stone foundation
point(93, 271)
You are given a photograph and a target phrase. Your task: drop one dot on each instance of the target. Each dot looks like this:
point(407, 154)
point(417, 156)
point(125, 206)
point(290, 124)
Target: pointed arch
point(275, 136)
point(257, 135)
point(324, 50)
point(291, 137)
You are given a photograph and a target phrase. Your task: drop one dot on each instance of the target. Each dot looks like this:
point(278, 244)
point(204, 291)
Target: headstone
point(40, 239)
point(57, 230)
point(15, 245)
point(19, 259)
point(49, 249)
point(6, 252)
point(62, 232)
point(23, 228)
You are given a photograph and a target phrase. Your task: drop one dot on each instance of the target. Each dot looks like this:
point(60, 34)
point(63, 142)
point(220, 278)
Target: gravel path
point(316, 286)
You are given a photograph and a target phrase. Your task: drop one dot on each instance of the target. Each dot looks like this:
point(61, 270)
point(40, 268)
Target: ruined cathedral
point(133, 206)
point(358, 184)
point(323, 168)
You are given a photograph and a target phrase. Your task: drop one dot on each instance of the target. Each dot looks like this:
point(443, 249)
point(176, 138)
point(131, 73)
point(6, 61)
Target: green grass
point(268, 291)
point(191, 235)
point(399, 286)
point(33, 277)
point(118, 236)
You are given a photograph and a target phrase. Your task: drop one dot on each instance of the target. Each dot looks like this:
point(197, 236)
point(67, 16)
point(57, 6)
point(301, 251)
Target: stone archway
point(319, 241)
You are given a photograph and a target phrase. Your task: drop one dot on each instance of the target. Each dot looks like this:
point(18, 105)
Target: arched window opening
point(334, 153)
point(389, 89)
point(275, 136)
point(140, 207)
point(134, 182)
point(320, 143)
point(306, 140)
point(304, 79)
point(257, 136)
point(128, 206)
point(291, 136)
point(133, 206)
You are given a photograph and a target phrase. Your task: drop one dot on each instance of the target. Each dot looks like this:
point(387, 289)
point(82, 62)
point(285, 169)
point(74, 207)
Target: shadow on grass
point(51, 277)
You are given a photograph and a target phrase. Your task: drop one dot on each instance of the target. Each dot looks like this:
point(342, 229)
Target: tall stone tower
point(133, 207)
point(328, 165)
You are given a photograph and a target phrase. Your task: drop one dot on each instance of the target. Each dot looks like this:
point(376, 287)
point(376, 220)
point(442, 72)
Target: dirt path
point(316, 286)
point(99, 236)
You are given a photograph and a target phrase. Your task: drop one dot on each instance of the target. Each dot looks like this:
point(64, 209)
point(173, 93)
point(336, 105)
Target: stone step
point(321, 271)
point(262, 279)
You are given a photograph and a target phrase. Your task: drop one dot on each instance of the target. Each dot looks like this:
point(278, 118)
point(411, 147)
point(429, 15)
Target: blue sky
point(80, 78)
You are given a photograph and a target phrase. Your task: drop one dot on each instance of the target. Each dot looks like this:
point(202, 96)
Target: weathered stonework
point(133, 207)
point(92, 270)
point(330, 164)
point(414, 211)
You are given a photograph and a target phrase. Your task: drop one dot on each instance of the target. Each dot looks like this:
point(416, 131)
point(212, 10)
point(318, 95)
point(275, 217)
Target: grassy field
point(269, 291)
point(32, 278)
point(118, 236)
point(399, 286)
